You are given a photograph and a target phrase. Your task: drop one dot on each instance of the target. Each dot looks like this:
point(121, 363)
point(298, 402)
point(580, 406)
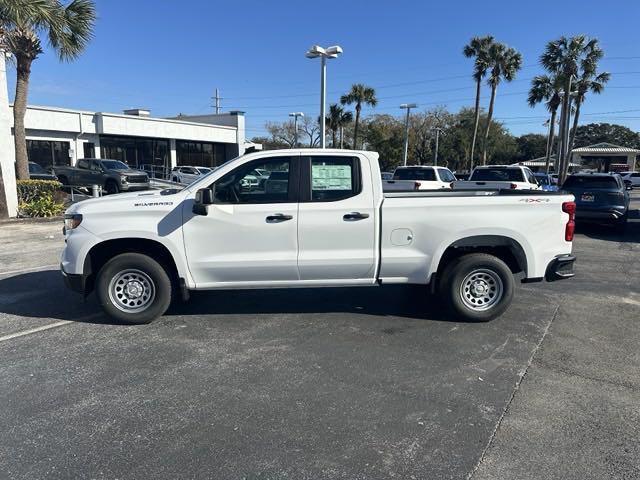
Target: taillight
point(416, 185)
point(570, 227)
point(514, 186)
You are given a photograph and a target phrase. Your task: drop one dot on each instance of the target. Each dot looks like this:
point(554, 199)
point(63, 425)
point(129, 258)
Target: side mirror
point(204, 197)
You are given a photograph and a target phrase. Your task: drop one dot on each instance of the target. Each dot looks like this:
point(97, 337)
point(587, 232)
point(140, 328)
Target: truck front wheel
point(133, 288)
point(477, 287)
point(112, 187)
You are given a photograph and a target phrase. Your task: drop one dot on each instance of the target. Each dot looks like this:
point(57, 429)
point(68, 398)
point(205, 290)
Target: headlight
point(72, 220)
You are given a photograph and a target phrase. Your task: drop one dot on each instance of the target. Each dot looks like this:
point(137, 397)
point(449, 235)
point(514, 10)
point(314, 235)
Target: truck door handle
point(353, 216)
point(278, 217)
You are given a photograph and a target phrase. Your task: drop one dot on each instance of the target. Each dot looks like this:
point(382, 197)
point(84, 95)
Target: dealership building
point(61, 136)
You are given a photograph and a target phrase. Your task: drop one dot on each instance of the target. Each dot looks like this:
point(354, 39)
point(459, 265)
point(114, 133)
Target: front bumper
point(134, 187)
point(560, 268)
point(75, 282)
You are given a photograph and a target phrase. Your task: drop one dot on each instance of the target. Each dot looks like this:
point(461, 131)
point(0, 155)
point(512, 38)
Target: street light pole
point(407, 107)
point(435, 157)
point(295, 116)
point(323, 53)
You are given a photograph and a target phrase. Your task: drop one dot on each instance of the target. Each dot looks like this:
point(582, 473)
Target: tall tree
point(547, 89)
point(504, 63)
point(337, 119)
point(594, 84)
point(478, 49)
point(567, 58)
point(68, 29)
point(359, 94)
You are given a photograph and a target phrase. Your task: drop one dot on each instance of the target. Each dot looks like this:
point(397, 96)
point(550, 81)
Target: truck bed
point(468, 193)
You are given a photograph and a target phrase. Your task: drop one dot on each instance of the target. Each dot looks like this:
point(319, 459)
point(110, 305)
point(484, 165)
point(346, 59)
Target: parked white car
point(319, 219)
point(508, 177)
point(419, 177)
point(187, 174)
point(633, 177)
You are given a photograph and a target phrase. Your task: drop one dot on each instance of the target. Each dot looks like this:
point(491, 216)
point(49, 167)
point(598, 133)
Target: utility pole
point(341, 135)
point(295, 116)
point(435, 157)
point(407, 107)
point(217, 99)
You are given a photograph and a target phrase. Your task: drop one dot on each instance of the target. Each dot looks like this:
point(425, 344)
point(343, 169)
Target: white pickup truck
point(509, 177)
point(319, 218)
point(419, 177)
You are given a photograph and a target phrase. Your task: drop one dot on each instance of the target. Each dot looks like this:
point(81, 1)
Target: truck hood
point(150, 199)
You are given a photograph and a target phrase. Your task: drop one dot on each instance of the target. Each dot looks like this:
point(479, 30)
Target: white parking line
point(33, 269)
point(35, 330)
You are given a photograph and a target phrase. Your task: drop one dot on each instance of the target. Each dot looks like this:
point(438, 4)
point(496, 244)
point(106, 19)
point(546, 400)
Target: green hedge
point(39, 198)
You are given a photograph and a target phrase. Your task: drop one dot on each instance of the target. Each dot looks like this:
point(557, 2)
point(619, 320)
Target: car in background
point(36, 172)
point(462, 176)
point(188, 174)
point(386, 175)
point(633, 177)
point(546, 181)
point(600, 198)
point(112, 175)
point(499, 177)
point(420, 177)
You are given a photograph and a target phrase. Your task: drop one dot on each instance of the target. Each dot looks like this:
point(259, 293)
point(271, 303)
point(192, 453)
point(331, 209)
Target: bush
point(39, 198)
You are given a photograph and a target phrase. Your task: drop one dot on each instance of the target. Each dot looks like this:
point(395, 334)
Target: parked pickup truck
point(419, 177)
point(319, 218)
point(112, 175)
point(509, 177)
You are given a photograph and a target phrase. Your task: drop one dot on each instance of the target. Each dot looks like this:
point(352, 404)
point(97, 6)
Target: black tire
point(479, 272)
point(111, 187)
point(63, 180)
point(175, 180)
point(621, 224)
point(133, 271)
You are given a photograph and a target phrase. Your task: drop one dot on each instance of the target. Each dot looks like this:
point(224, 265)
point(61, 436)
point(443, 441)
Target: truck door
point(250, 232)
point(336, 225)
point(81, 175)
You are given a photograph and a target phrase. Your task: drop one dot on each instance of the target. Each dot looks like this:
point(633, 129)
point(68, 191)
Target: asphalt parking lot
point(322, 383)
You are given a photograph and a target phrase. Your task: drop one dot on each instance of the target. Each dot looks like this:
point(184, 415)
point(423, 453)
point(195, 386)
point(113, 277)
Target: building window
point(149, 154)
point(48, 153)
point(89, 149)
point(200, 154)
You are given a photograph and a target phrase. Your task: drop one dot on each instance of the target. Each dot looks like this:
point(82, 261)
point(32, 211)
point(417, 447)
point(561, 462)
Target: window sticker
point(331, 177)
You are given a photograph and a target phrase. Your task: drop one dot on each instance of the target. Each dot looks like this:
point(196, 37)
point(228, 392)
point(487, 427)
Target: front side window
point(334, 178)
point(244, 186)
point(446, 175)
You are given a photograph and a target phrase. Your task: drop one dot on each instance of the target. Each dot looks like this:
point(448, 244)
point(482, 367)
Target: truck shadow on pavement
point(43, 295)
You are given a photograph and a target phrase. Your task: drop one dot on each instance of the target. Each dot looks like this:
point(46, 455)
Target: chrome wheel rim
point(481, 289)
point(132, 291)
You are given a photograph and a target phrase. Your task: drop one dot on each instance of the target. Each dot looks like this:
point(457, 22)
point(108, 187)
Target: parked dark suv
point(600, 197)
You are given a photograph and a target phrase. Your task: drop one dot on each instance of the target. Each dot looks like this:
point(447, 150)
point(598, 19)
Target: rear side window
point(334, 178)
point(83, 164)
point(498, 175)
point(427, 174)
point(585, 182)
point(446, 175)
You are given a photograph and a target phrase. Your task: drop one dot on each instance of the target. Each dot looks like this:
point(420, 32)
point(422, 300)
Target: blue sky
point(169, 56)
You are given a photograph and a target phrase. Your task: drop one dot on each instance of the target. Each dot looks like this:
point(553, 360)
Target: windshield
point(585, 182)
point(414, 174)
point(497, 175)
point(114, 165)
point(35, 168)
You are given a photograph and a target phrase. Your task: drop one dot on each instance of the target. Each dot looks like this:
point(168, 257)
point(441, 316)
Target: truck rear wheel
point(477, 287)
point(133, 288)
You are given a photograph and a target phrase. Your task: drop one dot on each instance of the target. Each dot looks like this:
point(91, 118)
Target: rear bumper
point(560, 268)
point(611, 214)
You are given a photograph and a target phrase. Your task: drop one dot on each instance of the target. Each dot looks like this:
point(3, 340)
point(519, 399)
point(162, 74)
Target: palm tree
point(567, 58)
point(68, 30)
point(547, 89)
point(477, 48)
point(504, 63)
point(359, 94)
point(587, 83)
point(337, 119)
